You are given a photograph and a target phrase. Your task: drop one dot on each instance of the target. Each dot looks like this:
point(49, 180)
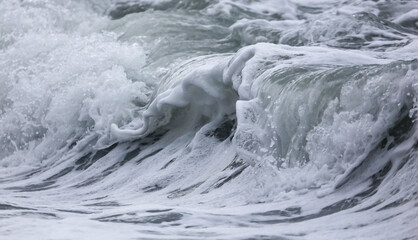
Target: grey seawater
point(225, 119)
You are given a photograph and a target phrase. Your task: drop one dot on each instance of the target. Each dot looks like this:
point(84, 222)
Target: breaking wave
point(222, 119)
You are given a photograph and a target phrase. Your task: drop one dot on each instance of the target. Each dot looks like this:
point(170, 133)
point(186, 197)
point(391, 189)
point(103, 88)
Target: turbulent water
point(199, 119)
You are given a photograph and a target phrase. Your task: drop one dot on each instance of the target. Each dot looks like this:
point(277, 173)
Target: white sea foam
point(61, 85)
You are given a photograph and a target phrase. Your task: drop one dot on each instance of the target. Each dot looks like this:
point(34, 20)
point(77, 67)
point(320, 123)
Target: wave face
point(198, 119)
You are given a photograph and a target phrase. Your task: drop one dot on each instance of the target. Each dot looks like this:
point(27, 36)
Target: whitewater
point(200, 119)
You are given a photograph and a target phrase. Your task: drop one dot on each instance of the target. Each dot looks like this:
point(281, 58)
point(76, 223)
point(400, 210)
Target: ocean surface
point(199, 119)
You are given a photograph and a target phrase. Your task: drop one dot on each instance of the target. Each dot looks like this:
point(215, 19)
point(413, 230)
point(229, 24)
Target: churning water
point(199, 119)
